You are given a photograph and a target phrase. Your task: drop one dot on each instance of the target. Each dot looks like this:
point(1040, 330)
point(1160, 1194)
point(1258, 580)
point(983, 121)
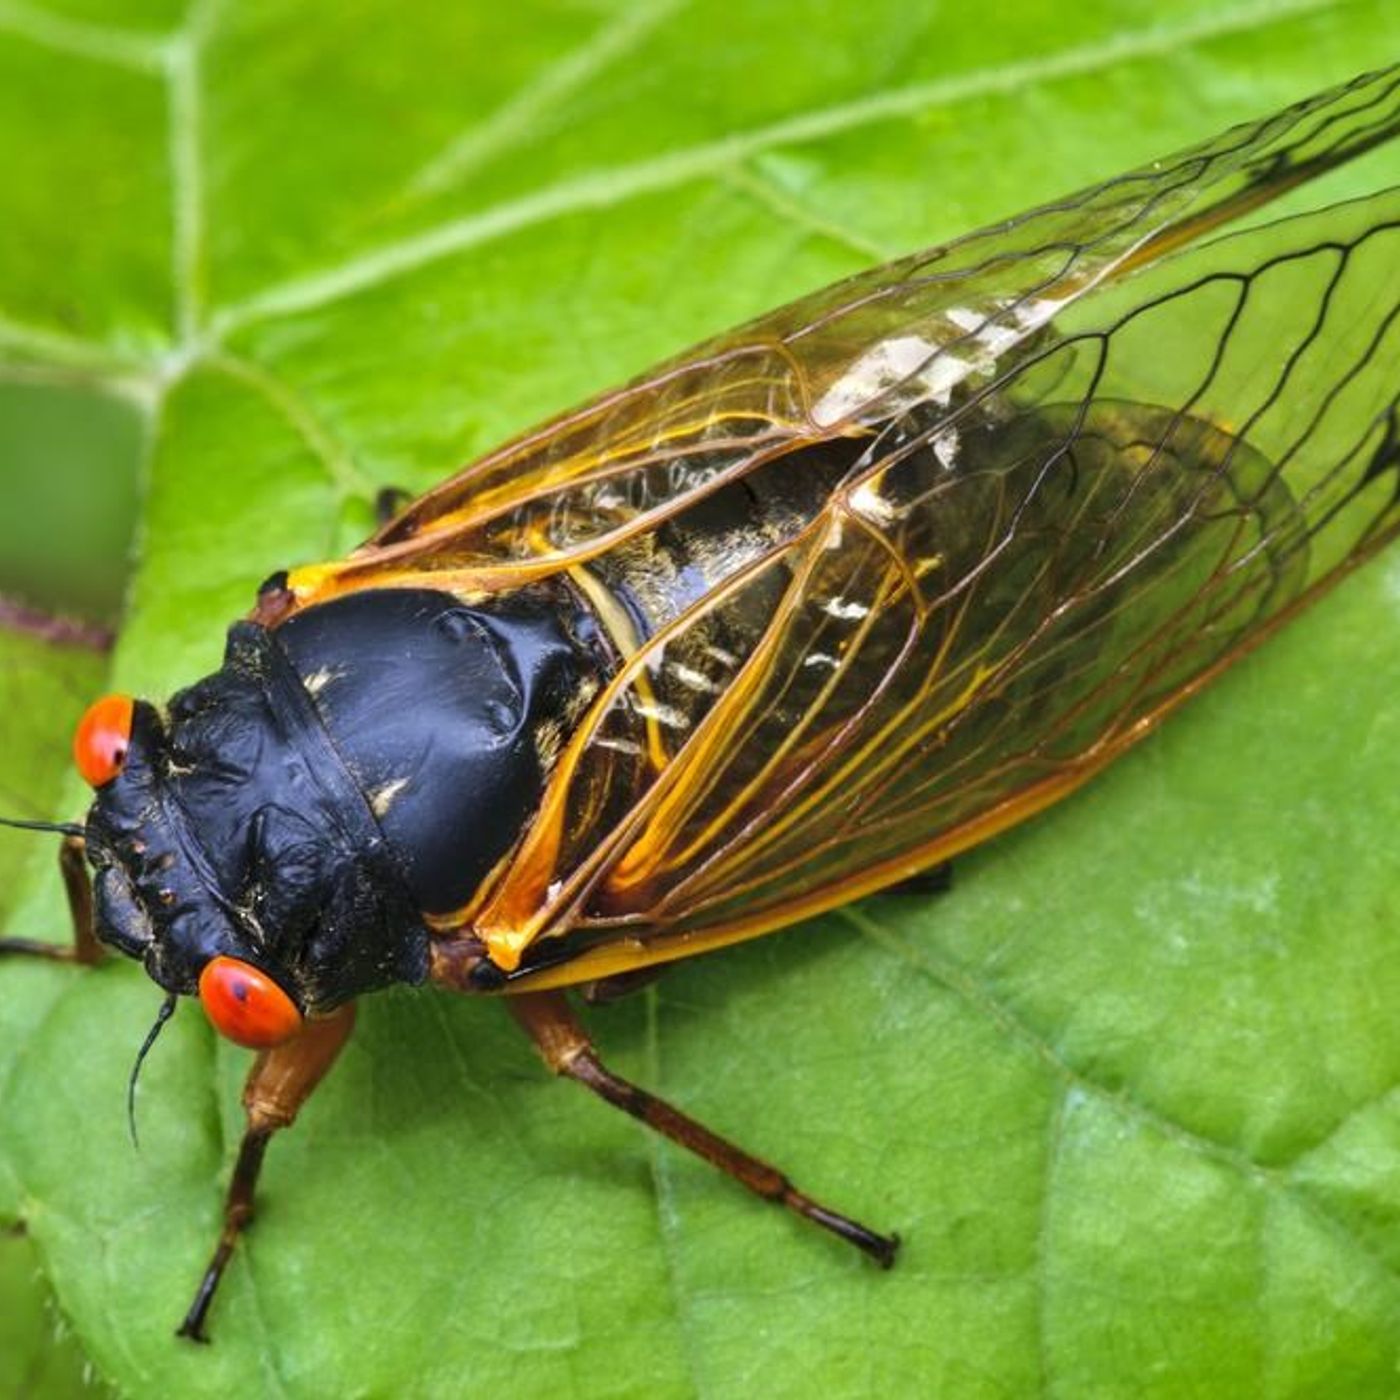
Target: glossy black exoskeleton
point(339, 778)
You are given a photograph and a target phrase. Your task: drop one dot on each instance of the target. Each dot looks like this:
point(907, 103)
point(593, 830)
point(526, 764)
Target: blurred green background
point(1129, 1092)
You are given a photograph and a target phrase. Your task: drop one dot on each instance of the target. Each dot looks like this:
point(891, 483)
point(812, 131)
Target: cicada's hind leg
point(567, 1050)
point(607, 990)
point(281, 1080)
point(84, 948)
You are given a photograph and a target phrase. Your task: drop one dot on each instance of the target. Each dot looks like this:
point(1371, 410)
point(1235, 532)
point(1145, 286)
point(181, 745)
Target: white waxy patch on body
point(696, 680)
point(902, 360)
point(992, 337)
point(821, 658)
point(945, 448)
point(665, 715)
point(930, 369)
point(627, 746)
point(383, 798)
point(997, 330)
point(845, 610)
point(317, 681)
point(867, 501)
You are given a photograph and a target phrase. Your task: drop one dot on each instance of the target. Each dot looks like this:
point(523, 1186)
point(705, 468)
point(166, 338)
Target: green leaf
point(1129, 1092)
point(37, 1359)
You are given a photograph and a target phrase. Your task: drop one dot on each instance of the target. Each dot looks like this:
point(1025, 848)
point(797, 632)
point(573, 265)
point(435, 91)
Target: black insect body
point(339, 779)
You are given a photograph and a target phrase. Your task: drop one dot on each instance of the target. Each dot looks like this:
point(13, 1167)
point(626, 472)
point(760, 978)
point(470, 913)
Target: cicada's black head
point(227, 833)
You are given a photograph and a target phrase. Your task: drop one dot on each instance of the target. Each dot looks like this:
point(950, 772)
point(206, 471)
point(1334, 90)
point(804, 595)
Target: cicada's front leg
point(281, 1080)
point(567, 1050)
point(84, 948)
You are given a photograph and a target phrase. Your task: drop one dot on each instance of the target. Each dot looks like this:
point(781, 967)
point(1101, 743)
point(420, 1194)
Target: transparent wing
point(1004, 590)
point(1017, 497)
point(838, 364)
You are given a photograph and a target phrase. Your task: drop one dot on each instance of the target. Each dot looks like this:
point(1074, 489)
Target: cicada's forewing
point(1021, 495)
point(1003, 595)
point(838, 363)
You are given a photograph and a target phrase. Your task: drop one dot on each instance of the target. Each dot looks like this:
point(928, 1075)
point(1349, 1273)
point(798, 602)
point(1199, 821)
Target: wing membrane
point(1019, 495)
point(839, 362)
point(1004, 593)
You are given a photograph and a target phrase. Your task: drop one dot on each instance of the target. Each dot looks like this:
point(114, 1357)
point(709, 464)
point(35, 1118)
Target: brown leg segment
point(567, 1050)
point(607, 990)
point(281, 1080)
point(85, 948)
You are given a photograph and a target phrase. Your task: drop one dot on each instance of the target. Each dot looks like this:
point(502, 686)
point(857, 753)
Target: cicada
point(795, 617)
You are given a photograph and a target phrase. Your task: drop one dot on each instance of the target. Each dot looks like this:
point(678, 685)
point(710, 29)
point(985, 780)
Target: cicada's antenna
point(167, 1010)
point(62, 828)
point(74, 831)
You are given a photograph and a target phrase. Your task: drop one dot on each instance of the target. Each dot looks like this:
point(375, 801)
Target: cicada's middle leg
point(84, 947)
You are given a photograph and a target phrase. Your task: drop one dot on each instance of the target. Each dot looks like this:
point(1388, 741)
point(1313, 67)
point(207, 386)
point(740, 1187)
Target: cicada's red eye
point(102, 739)
point(246, 1005)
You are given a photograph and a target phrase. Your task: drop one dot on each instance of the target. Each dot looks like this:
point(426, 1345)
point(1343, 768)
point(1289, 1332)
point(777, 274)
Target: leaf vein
point(601, 189)
point(518, 119)
point(56, 349)
point(976, 996)
point(337, 462)
point(186, 199)
point(142, 52)
point(766, 191)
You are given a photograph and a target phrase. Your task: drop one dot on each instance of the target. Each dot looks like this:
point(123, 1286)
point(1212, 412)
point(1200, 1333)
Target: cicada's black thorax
point(445, 716)
point(341, 776)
